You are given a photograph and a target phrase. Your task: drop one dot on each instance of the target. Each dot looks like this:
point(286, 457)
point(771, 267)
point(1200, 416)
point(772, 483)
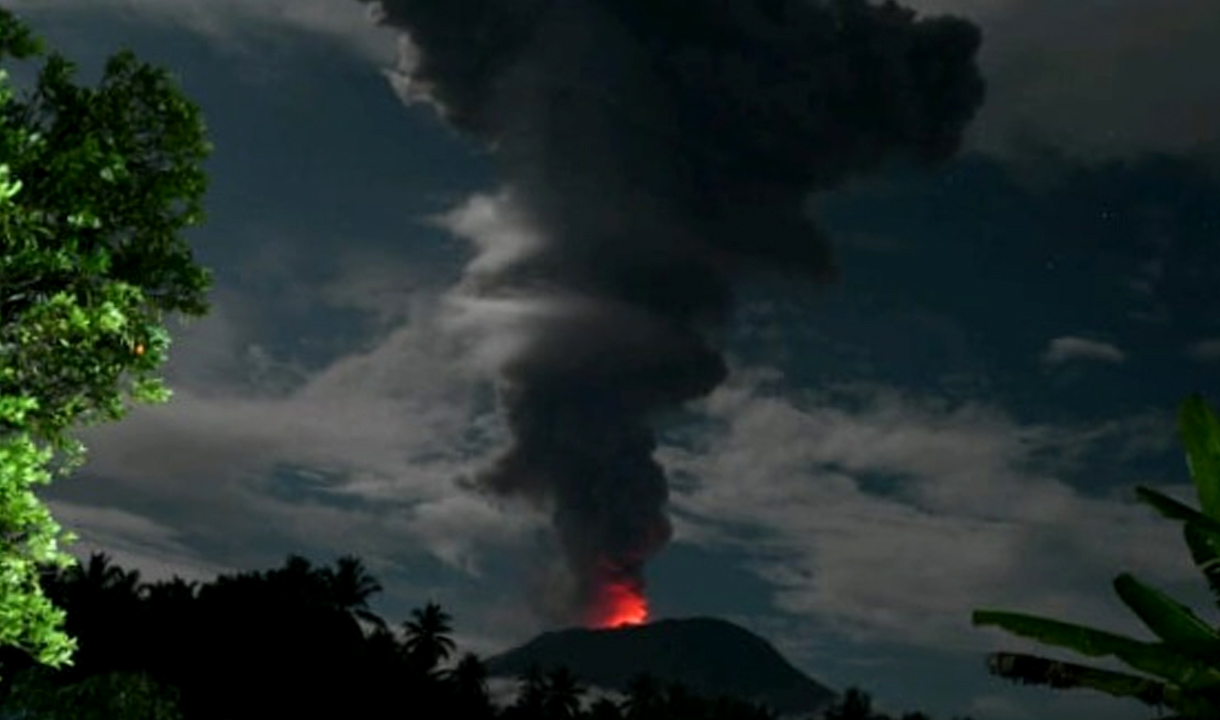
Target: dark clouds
point(1102, 78)
point(652, 151)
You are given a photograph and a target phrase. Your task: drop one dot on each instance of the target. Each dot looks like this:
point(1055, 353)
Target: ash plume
point(651, 152)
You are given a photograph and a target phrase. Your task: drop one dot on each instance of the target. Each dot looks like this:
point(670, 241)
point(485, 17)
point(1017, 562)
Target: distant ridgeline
point(710, 657)
point(301, 641)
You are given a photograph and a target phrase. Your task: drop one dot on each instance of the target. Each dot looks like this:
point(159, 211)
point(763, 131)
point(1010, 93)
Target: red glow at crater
point(620, 605)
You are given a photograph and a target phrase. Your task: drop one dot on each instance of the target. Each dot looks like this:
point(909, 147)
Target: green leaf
point(1175, 510)
point(1204, 544)
point(1152, 658)
point(1034, 670)
point(93, 187)
point(1200, 431)
point(1168, 619)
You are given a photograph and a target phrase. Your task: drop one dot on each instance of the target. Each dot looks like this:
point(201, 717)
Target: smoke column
point(652, 151)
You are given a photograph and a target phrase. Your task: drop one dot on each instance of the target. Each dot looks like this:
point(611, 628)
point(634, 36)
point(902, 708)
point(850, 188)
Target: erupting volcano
point(619, 605)
point(652, 152)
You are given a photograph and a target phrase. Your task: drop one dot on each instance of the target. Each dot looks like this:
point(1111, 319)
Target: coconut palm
point(531, 694)
point(563, 692)
point(176, 592)
point(856, 704)
point(644, 698)
point(101, 577)
point(467, 683)
point(427, 637)
point(351, 585)
point(604, 709)
point(1185, 665)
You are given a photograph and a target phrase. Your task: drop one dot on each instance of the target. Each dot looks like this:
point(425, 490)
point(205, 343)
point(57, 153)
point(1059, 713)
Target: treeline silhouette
point(300, 641)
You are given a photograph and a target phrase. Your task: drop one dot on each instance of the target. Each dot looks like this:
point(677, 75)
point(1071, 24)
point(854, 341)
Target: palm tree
point(679, 702)
point(101, 577)
point(1185, 665)
point(604, 709)
point(102, 602)
point(351, 586)
point(468, 684)
point(297, 579)
point(855, 704)
point(175, 592)
point(427, 641)
point(563, 692)
point(531, 694)
point(644, 698)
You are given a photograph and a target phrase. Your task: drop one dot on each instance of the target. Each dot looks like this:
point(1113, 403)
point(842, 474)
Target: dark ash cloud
point(652, 151)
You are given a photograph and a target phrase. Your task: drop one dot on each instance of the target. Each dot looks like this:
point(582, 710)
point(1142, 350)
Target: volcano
point(711, 657)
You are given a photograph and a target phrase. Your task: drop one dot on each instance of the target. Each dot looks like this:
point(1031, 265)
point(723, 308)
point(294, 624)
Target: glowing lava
point(620, 605)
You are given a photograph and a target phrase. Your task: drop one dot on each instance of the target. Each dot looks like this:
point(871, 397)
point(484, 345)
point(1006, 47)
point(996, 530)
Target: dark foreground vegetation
point(299, 641)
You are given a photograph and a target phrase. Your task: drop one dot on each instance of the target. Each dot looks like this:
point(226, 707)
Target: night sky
point(957, 421)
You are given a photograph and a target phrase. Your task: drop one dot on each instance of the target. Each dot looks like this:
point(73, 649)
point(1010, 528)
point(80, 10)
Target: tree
point(427, 642)
point(604, 709)
point(644, 698)
point(351, 585)
point(531, 694)
point(1185, 665)
point(856, 704)
point(562, 695)
point(468, 688)
point(95, 185)
point(108, 696)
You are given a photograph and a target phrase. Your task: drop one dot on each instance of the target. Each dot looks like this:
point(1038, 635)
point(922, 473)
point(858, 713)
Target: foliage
point(286, 642)
point(95, 185)
point(108, 696)
point(1185, 664)
point(427, 637)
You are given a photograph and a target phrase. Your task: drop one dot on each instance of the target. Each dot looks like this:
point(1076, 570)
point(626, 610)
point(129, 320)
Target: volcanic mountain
point(710, 657)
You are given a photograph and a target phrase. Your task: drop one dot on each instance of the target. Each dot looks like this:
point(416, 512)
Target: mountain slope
point(711, 657)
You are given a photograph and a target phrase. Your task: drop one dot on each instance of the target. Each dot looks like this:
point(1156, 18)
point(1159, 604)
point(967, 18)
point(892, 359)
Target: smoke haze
point(651, 152)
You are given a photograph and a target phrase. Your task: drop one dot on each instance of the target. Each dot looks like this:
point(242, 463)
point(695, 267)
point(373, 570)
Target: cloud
point(1144, 91)
point(1205, 350)
point(132, 541)
point(998, 707)
point(245, 25)
point(844, 500)
point(257, 451)
point(1063, 349)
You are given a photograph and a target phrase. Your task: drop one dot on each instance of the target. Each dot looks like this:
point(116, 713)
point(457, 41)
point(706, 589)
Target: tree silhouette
point(351, 585)
point(103, 600)
point(644, 699)
point(175, 593)
point(427, 642)
point(562, 692)
point(285, 643)
point(467, 683)
point(855, 704)
point(531, 695)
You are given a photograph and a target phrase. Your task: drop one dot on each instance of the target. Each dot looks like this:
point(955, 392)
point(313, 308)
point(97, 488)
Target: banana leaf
point(1200, 431)
point(1193, 705)
point(1175, 510)
point(1034, 670)
point(1204, 547)
point(1169, 620)
point(1153, 658)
